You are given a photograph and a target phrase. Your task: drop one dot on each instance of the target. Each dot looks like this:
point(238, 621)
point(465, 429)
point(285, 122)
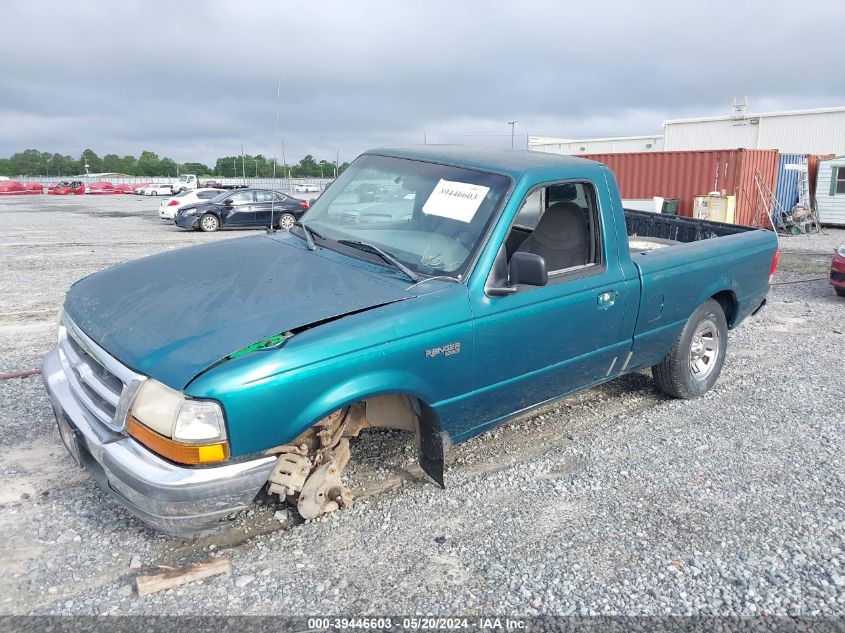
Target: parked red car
point(837, 270)
point(34, 188)
point(124, 188)
point(101, 188)
point(12, 188)
point(66, 188)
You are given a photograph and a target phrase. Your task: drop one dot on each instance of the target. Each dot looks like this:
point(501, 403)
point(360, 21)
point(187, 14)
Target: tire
point(839, 291)
point(694, 363)
point(154, 193)
point(209, 223)
point(286, 221)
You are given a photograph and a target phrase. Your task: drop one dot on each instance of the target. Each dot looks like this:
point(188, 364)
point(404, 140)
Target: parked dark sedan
point(242, 208)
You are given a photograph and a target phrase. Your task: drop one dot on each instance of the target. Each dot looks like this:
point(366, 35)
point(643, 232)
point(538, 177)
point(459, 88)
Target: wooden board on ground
point(175, 577)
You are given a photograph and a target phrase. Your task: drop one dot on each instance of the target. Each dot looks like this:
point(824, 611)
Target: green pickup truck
point(441, 290)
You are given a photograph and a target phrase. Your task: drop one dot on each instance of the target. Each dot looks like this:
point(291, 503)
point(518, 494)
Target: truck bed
point(658, 230)
point(680, 267)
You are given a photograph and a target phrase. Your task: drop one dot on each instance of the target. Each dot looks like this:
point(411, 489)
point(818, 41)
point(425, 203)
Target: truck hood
point(172, 315)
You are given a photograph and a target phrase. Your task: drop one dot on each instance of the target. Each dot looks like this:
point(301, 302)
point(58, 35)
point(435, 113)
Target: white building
point(820, 131)
point(616, 144)
point(830, 191)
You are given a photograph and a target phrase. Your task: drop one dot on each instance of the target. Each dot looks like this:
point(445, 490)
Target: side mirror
point(528, 268)
point(311, 202)
point(524, 268)
point(228, 202)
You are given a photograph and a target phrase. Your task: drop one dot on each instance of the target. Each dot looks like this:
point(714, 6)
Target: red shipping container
point(687, 174)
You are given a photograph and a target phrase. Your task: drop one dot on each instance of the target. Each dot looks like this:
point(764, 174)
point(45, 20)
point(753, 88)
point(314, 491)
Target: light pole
point(513, 125)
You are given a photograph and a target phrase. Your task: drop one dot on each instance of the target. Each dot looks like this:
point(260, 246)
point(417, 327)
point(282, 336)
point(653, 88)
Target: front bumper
point(173, 499)
point(187, 221)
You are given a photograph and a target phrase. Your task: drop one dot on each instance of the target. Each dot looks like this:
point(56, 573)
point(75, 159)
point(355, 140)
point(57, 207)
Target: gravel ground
point(616, 500)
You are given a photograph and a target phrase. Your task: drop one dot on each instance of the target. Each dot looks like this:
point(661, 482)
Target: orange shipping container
point(687, 174)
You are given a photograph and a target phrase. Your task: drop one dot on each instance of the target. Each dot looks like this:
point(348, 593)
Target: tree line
point(32, 162)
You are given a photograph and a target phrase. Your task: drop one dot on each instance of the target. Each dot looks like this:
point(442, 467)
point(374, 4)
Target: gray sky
point(194, 80)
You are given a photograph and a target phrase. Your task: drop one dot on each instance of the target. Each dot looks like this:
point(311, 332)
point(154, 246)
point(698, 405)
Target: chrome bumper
point(173, 499)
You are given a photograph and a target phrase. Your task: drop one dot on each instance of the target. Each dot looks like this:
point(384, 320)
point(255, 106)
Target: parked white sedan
point(306, 188)
point(168, 208)
point(158, 189)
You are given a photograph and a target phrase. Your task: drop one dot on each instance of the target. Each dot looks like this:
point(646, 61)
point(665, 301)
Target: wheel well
point(408, 413)
point(727, 300)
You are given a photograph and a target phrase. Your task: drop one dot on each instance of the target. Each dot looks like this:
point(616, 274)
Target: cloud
point(194, 80)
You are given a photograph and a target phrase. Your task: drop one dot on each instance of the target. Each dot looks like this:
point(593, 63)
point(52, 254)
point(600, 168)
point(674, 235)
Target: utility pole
point(425, 139)
point(513, 126)
point(243, 165)
point(285, 163)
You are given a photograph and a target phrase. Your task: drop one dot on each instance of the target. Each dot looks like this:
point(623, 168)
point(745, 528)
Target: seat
point(561, 237)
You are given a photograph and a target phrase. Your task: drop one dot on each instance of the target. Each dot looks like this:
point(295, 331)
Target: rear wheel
point(154, 193)
point(286, 221)
point(694, 363)
point(209, 223)
point(840, 291)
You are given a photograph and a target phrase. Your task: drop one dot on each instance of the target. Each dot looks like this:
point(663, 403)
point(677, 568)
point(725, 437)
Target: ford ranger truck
point(187, 382)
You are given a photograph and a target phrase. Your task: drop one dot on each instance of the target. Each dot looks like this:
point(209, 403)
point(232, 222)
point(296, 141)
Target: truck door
point(543, 342)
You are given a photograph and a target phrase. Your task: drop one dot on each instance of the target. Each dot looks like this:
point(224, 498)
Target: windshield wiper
point(390, 259)
point(309, 235)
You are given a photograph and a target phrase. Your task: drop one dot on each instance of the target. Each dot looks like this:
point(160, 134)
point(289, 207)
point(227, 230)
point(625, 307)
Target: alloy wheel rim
point(209, 223)
point(287, 221)
point(705, 348)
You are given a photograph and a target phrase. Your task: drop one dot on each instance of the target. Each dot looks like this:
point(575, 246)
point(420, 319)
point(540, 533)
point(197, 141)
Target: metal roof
point(748, 115)
point(551, 140)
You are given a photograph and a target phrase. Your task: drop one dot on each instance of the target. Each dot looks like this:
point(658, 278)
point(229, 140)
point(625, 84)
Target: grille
point(99, 382)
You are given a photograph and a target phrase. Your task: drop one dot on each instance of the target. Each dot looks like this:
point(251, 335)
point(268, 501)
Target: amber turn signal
point(176, 451)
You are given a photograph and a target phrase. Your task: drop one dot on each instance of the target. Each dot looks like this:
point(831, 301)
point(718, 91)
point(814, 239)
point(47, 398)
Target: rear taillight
point(172, 203)
point(774, 266)
point(303, 204)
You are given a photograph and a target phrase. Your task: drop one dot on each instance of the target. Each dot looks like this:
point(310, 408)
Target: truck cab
point(186, 182)
point(189, 380)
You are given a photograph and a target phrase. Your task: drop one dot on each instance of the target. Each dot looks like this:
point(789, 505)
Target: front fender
point(357, 388)
point(270, 397)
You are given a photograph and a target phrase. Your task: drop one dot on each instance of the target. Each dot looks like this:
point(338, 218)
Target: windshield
point(430, 217)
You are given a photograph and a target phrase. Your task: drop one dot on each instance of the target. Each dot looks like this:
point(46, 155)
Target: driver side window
point(241, 197)
point(558, 222)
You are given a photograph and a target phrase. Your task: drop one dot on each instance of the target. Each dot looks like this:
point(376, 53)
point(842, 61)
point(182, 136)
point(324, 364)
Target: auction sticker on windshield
point(455, 200)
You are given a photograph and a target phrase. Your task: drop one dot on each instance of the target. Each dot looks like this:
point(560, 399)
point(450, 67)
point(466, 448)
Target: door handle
point(606, 299)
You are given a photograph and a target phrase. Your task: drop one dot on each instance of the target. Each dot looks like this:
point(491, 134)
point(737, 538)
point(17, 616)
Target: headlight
point(178, 428)
point(199, 421)
point(841, 250)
